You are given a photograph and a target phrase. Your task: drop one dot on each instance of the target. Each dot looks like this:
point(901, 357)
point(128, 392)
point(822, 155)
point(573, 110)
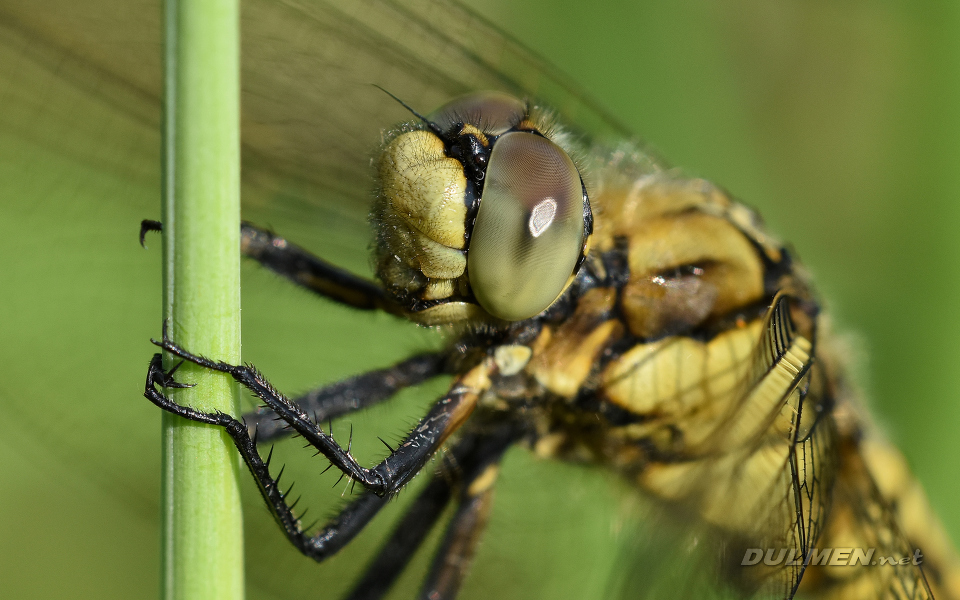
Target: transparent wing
point(754, 477)
point(312, 118)
point(309, 69)
point(862, 518)
point(775, 499)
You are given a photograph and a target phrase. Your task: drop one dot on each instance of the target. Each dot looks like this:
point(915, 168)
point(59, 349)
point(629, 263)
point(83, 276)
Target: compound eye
point(529, 229)
point(491, 112)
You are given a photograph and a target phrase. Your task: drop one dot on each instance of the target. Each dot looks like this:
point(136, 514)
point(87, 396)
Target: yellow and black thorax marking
point(683, 355)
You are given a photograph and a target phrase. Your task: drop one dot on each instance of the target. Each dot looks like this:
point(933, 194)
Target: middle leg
point(344, 397)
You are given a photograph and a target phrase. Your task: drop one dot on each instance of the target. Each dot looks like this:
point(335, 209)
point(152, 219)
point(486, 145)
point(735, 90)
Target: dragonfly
point(295, 165)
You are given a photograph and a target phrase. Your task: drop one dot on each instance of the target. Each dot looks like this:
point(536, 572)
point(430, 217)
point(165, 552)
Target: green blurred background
point(839, 121)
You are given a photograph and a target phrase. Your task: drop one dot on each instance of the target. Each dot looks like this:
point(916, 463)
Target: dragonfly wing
point(312, 118)
point(883, 563)
point(759, 480)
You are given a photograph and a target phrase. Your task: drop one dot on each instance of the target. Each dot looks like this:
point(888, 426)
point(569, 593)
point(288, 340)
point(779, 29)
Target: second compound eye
point(529, 229)
point(491, 112)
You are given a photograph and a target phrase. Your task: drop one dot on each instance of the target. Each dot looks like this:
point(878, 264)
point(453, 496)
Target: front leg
point(329, 539)
point(312, 272)
point(445, 417)
point(304, 269)
point(276, 500)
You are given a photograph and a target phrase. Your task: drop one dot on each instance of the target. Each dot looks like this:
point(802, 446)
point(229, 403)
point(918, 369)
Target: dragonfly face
point(302, 169)
point(480, 216)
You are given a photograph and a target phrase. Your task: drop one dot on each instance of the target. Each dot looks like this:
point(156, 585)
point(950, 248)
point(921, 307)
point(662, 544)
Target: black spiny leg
point(406, 537)
point(146, 226)
point(446, 415)
point(324, 543)
point(312, 272)
point(271, 493)
point(453, 558)
point(304, 269)
point(349, 395)
point(337, 533)
point(471, 458)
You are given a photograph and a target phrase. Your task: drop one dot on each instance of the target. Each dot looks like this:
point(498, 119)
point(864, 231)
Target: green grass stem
point(202, 532)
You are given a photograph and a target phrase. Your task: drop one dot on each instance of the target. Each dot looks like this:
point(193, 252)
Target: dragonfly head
point(480, 213)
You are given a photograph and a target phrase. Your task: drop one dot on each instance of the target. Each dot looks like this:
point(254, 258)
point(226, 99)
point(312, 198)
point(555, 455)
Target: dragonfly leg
point(313, 273)
point(304, 269)
point(344, 397)
point(407, 536)
point(324, 543)
point(453, 558)
point(471, 458)
point(445, 417)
